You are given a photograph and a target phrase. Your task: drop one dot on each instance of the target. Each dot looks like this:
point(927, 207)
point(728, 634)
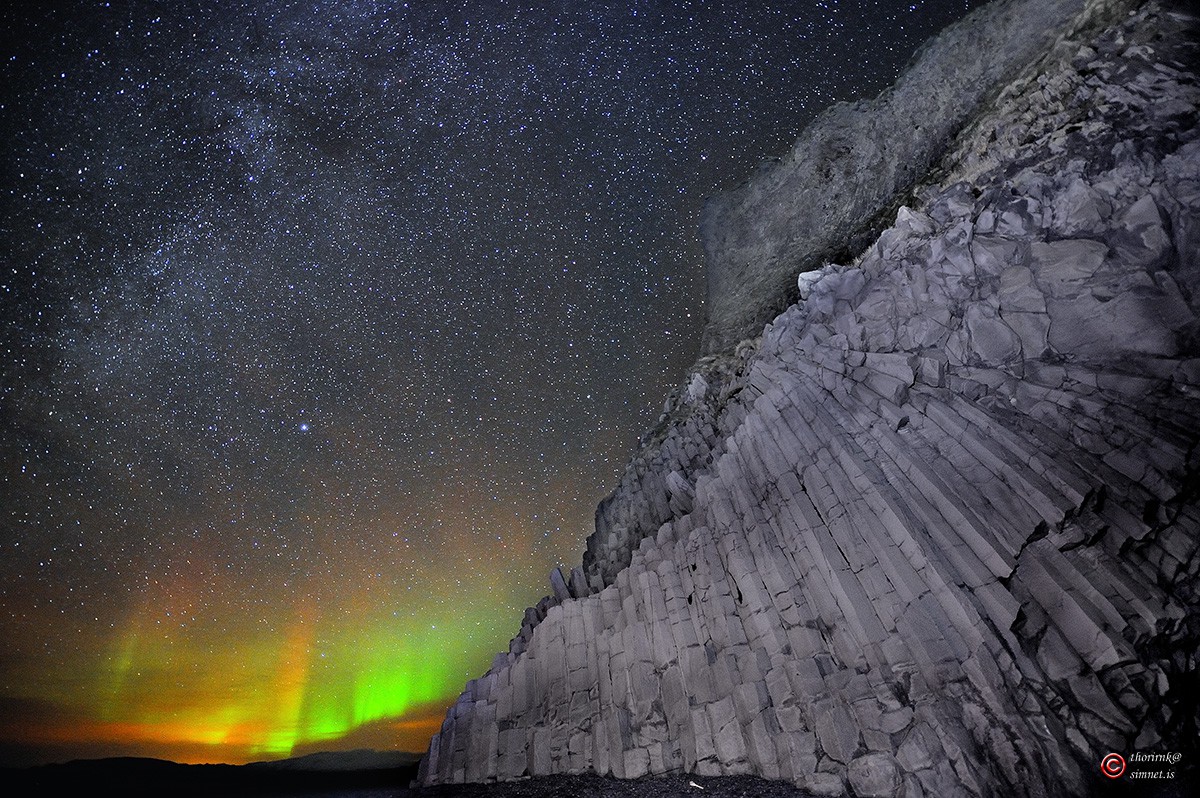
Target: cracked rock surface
point(935, 531)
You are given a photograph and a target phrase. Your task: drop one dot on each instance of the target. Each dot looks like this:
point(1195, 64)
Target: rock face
point(935, 531)
point(829, 196)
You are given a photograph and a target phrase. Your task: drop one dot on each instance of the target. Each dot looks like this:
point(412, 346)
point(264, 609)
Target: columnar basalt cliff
point(934, 529)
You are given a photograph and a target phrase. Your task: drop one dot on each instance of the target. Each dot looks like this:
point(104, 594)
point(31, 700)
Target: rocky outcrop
point(935, 530)
point(831, 195)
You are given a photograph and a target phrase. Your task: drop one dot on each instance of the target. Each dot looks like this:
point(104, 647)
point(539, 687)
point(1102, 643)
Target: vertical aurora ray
point(117, 670)
point(400, 673)
point(291, 681)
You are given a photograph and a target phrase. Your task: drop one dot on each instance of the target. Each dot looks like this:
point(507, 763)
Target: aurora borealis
point(324, 327)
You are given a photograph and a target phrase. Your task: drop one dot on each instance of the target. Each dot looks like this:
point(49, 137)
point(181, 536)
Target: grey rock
point(1032, 328)
point(1062, 267)
point(875, 776)
point(827, 784)
point(637, 763)
point(1141, 239)
point(806, 280)
point(992, 340)
point(993, 255)
point(559, 585)
point(1018, 292)
point(1140, 321)
point(837, 731)
point(1080, 210)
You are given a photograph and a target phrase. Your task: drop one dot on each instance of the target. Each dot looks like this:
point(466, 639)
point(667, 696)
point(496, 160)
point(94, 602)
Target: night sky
point(324, 326)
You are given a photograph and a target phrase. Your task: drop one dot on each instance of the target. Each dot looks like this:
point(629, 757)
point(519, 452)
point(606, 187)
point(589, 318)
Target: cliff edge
point(933, 530)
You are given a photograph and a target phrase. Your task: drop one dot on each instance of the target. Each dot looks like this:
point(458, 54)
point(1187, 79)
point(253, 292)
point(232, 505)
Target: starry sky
point(324, 326)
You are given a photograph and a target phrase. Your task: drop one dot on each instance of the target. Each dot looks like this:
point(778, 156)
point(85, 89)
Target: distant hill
point(328, 772)
point(358, 759)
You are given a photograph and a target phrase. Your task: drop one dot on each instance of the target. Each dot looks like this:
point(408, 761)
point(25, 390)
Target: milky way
point(326, 325)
